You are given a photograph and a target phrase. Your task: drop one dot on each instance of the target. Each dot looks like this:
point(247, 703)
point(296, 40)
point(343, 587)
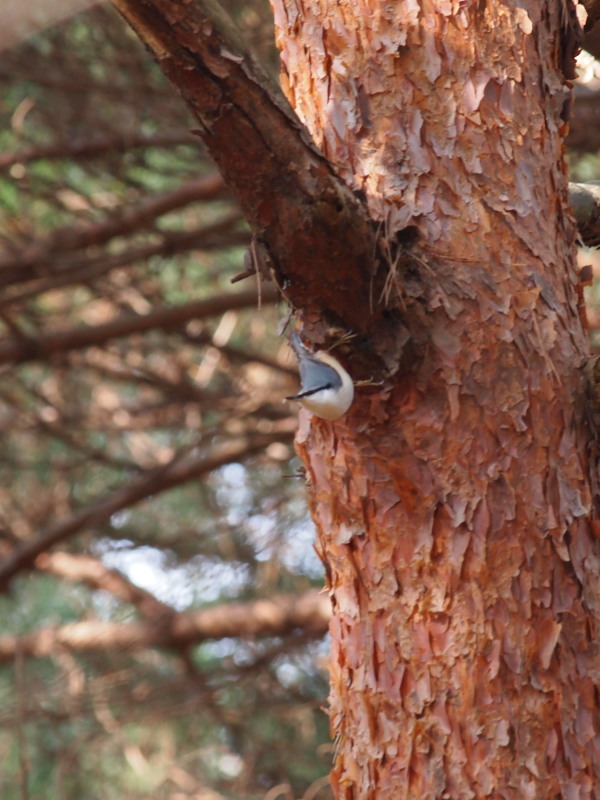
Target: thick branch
point(316, 231)
point(152, 482)
point(52, 342)
point(585, 204)
point(278, 616)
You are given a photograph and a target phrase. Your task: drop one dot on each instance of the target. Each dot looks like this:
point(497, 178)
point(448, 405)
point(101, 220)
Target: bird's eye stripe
point(322, 388)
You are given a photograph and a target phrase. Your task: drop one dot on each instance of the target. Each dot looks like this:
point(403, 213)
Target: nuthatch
point(327, 390)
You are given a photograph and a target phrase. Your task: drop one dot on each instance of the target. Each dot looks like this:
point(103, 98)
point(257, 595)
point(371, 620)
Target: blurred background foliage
point(146, 456)
point(147, 471)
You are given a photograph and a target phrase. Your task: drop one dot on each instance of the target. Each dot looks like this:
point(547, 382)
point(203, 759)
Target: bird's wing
point(314, 374)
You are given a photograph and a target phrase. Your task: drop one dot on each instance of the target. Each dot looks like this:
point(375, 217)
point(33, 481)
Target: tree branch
point(585, 204)
point(277, 616)
point(151, 482)
point(81, 269)
point(318, 235)
point(92, 572)
point(129, 220)
point(93, 147)
point(19, 350)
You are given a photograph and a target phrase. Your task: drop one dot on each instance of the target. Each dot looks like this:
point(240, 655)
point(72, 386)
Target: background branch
point(130, 219)
point(276, 616)
point(154, 481)
point(86, 569)
point(28, 348)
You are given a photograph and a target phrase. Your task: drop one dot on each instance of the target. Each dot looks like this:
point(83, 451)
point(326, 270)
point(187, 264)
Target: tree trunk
point(453, 501)
point(454, 504)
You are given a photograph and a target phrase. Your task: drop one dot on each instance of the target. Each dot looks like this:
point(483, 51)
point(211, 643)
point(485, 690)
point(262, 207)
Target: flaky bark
point(315, 233)
point(454, 506)
point(453, 502)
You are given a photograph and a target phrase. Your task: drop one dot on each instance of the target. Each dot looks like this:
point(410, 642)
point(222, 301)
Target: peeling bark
point(454, 506)
point(454, 502)
point(315, 231)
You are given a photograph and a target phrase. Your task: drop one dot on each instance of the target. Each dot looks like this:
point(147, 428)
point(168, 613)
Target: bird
point(326, 388)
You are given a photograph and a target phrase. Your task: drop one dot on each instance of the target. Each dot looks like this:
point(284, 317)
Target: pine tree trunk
point(454, 505)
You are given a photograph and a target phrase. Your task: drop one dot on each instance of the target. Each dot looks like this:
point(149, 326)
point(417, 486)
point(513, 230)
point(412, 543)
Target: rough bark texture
point(454, 506)
point(316, 234)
